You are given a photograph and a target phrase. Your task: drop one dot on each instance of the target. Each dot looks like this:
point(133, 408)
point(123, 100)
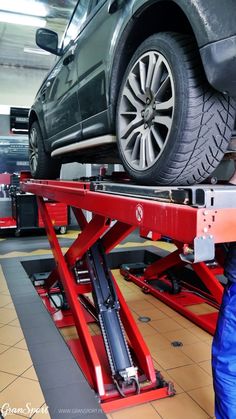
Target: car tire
point(173, 128)
point(42, 166)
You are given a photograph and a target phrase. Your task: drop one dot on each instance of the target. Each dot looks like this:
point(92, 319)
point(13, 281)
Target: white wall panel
point(18, 86)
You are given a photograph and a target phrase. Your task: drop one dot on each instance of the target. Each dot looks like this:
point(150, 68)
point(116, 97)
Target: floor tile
point(165, 325)
point(190, 377)
point(203, 308)
point(157, 341)
point(69, 332)
point(140, 304)
point(10, 306)
point(6, 379)
point(204, 396)
point(180, 406)
point(95, 328)
point(187, 324)
point(206, 366)
point(3, 348)
point(163, 307)
point(171, 358)
point(30, 374)
point(15, 361)
point(182, 335)
point(15, 323)
point(7, 315)
point(3, 287)
point(21, 345)
point(199, 351)
point(200, 333)
point(4, 300)
point(146, 329)
point(21, 392)
point(153, 313)
point(13, 416)
point(5, 292)
point(10, 335)
point(167, 377)
point(137, 412)
point(43, 413)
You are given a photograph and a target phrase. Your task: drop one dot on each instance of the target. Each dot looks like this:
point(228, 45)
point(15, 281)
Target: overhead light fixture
point(19, 19)
point(36, 51)
point(25, 7)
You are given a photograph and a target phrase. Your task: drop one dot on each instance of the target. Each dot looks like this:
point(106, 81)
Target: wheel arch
point(34, 117)
point(157, 17)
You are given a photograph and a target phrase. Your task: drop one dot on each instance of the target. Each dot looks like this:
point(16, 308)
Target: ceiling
point(14, 38)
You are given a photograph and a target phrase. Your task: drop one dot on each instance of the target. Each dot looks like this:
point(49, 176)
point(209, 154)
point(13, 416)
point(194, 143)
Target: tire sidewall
point(35, 126)
point(47, 168)
point(169, 48)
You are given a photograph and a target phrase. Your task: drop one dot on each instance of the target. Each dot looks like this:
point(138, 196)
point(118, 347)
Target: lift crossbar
point(184, 221)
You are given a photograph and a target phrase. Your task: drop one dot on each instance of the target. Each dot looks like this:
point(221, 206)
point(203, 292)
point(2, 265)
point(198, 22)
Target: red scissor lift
point(117, 363)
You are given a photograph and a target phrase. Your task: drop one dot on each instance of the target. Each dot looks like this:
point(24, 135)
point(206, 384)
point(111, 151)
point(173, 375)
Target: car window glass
point(77, 21)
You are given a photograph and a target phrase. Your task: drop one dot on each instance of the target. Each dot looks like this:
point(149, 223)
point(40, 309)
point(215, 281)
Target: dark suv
point(148, 83)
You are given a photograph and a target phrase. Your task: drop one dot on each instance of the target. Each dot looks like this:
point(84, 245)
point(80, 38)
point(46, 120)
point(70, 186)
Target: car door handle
point(69, 59)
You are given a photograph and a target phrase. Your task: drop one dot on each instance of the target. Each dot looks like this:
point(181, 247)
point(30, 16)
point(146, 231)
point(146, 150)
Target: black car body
point(77, 109)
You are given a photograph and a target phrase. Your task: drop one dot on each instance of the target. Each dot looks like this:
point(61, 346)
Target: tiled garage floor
point(18, 381)
point(188, 366)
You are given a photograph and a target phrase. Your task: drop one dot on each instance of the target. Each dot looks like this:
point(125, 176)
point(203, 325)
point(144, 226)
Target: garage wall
point(18, 86)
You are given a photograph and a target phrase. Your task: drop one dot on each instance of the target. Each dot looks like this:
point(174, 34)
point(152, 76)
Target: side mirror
point(47, 40)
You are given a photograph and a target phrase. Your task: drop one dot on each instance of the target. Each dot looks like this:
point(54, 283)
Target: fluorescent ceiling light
point(27, 7)
point(20, 19)
point(36, 51)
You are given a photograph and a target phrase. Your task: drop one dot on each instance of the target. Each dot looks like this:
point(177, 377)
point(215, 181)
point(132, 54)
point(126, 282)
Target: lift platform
point(117, 363)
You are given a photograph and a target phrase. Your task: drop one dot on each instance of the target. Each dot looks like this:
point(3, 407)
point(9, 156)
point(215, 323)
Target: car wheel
point(172, 126)
point(42, 166)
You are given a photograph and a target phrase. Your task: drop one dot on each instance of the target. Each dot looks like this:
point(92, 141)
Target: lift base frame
point(185, 224)
point(92, 360)
point(199, 303)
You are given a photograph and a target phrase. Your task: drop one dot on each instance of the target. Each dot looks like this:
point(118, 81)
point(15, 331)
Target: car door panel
point(93, 68)
point(61, 106)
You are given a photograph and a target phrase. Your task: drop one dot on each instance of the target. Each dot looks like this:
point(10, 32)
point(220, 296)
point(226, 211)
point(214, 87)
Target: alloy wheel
point(146, 111)
point(33, 150)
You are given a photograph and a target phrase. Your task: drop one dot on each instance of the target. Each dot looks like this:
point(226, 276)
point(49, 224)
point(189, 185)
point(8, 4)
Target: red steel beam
point(179, 222)
point(70, 287)
point(80, 217)
point(91, 233)
point(209, 280)
point(115, 235)
point(162, 265)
